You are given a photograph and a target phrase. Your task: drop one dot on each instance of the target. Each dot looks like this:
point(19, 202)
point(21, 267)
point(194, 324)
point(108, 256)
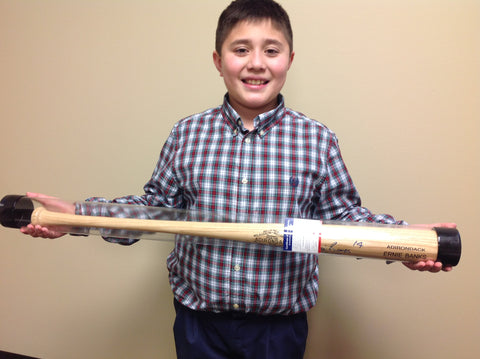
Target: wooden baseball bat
point(389, 242)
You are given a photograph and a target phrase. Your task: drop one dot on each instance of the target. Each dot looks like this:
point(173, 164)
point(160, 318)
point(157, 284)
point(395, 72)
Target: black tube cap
point(15, 211)
point(449, 245)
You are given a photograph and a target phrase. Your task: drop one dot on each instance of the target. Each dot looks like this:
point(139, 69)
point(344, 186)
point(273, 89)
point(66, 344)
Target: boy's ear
point(292, 55)
point(217, 60)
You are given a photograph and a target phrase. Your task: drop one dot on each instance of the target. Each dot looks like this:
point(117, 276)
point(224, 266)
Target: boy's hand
point(42, 232)
point(430, 266)
point(52, 204)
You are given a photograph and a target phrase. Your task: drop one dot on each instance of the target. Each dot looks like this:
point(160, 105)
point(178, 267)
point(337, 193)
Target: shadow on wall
point(335, 330)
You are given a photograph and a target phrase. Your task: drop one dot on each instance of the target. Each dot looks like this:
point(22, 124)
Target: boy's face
point(254, 63)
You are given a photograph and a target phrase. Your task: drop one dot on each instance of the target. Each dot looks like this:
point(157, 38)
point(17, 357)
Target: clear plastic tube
point(390, 242)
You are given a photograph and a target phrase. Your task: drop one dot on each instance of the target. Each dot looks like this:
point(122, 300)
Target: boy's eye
point(241, 51)
point(272, 52)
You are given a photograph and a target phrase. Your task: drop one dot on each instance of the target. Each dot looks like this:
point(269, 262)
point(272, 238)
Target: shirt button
point(244, 180)
point(261, 133)
point(247, 140)
point(236, 268)
point(236, 306)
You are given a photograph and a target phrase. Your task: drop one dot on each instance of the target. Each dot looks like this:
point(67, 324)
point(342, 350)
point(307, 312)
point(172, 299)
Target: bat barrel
point(449, 245)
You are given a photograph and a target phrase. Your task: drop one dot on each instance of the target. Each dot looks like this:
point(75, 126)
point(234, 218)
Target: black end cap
point(16, 211)
point(449, 245)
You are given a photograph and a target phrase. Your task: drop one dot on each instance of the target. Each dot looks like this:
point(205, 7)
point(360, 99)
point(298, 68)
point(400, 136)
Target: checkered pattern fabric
point(288, 166)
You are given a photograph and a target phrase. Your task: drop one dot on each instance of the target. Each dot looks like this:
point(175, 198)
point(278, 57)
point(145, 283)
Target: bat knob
point(15, 211)
point(449, 245)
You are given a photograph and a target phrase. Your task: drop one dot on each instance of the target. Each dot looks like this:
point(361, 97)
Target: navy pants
point(206, 335)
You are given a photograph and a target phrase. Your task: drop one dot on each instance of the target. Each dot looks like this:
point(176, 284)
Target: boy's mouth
point(255, 82)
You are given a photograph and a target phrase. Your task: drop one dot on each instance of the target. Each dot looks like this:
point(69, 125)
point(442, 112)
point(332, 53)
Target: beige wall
point(90, 89)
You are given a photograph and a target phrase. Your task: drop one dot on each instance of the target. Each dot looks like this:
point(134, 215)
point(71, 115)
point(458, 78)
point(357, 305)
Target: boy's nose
point(256, 61)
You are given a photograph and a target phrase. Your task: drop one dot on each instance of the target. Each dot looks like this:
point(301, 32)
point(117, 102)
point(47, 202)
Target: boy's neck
point(248, 115)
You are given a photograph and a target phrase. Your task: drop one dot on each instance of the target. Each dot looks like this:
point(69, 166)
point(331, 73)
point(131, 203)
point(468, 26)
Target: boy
point(250, 159)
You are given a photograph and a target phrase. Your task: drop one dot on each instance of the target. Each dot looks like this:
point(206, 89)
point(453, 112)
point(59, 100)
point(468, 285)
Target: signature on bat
point(334, 249)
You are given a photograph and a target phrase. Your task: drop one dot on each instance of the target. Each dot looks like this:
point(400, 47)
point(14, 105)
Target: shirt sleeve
point(339, 199)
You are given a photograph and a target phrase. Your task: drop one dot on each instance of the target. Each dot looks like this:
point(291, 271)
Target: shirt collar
point(262, 123)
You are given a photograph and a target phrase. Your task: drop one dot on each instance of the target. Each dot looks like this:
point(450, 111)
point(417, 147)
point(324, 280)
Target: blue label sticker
point(302, 235)
point(288, 234)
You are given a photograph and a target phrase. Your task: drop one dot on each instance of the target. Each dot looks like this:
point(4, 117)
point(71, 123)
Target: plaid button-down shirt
point(288, 166)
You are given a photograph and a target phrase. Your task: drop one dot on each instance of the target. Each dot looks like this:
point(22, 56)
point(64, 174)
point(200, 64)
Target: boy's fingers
point(39, 231)
point(52, 203)
point(429, 266)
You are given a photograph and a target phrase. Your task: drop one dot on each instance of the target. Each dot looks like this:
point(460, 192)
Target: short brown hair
point(252, 10)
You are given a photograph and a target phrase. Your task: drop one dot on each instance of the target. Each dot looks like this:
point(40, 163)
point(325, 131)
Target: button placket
point(236, 286)
point(238, 297)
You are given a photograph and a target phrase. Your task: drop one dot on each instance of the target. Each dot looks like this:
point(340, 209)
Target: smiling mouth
point(255, 82)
